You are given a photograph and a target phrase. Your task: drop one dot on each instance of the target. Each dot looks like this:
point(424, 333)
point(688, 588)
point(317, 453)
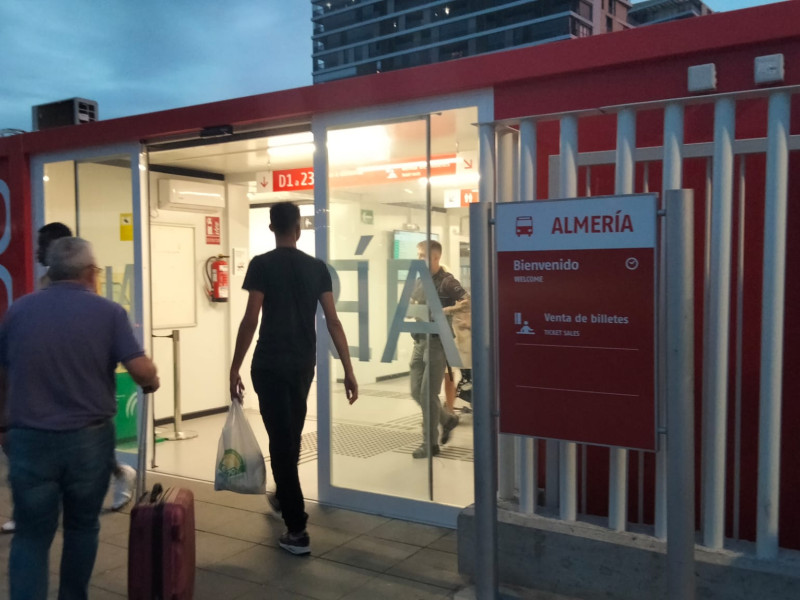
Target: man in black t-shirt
point(285, 285)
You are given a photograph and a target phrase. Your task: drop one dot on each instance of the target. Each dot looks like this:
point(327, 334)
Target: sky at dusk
point(138, 56)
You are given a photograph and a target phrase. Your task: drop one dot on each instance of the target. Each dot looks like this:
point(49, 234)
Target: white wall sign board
point(173, 276)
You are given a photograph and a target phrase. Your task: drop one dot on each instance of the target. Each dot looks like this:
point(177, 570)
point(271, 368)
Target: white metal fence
point(510, 149)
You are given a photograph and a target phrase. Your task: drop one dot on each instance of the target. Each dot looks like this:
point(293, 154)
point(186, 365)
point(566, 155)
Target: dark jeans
point(49, 470)
point(282, 398)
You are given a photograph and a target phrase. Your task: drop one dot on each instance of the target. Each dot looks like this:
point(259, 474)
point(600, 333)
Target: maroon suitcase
point(161, 557)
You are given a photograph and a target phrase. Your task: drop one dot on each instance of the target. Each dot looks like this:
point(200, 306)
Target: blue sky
point(137, 56)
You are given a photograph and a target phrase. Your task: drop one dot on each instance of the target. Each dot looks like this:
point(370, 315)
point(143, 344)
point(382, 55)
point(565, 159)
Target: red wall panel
point(16, 260)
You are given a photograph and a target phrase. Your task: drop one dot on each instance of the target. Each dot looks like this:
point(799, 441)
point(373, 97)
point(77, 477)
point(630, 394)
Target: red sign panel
point(213, 232)
point(577, 320)
point(292, 180)
point(469, 197)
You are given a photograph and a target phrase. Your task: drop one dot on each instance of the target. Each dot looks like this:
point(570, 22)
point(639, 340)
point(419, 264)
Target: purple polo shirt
point(60, 347)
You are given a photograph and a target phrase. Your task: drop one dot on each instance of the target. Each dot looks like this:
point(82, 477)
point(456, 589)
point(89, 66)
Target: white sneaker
point(8, 527)
point(124, 483)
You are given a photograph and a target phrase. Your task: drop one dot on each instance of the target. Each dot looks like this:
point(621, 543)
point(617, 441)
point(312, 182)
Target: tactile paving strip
point(402, 435)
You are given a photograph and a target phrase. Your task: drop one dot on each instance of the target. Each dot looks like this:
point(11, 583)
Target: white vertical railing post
point(706, 295)
point(568, 157)
point(506, 191)
point(623, 184)
point(552, 474)
point(527, 160)
point(505, 164)
point(567, 481)
point(506, 467)
point(568, 187)
point(528, 486)
point(483, 367)
point(740, 285)
point(626, 146)
point(772, 316)
point(672, 180)
point(680, 395)
point(717, 316)
point(528, 475)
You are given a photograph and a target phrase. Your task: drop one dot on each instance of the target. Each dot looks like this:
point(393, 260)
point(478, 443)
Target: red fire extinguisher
point(217, 278)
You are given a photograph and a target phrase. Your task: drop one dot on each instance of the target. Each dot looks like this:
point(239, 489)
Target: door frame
point(404, 508)
point(140, 207)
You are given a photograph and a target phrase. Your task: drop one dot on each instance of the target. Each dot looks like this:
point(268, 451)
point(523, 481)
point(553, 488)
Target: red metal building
point(592, 80)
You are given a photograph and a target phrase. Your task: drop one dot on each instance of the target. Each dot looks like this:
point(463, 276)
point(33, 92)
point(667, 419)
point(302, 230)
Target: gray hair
point(68, 257)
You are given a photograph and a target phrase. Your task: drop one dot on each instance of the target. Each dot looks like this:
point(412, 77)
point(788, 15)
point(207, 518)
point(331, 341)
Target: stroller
point(464, 390)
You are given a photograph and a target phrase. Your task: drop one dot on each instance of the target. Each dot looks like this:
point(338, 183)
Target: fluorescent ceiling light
point(359, 145)
point(290, 139)
point(294, 150)
point(291, 145)
point(410, 165)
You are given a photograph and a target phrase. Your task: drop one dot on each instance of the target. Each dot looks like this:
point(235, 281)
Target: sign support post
point(680, 394)
point(484, 404)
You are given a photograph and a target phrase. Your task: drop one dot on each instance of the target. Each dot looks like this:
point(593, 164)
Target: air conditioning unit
point(177, 194)
point(65, 112)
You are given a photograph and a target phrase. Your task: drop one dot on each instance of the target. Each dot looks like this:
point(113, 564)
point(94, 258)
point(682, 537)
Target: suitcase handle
point(157, 491)
point(144, 421)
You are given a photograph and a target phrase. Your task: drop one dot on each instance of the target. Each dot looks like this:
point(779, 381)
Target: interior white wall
point(205, 349)
point(59, 189)
point(457, 232)
point(105, 195)
point(262, 239)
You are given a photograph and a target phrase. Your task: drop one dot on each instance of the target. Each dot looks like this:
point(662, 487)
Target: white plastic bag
point(240, 464)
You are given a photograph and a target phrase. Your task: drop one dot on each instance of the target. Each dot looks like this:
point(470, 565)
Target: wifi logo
point(130, 405)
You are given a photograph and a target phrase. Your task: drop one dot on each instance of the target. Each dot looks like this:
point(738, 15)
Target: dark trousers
point(426, 373)
point(282, 398)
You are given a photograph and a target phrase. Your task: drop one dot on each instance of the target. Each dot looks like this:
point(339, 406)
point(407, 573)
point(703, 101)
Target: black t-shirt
point(292, 283)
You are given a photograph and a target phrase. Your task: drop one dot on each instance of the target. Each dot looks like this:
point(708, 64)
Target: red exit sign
point(293, 179)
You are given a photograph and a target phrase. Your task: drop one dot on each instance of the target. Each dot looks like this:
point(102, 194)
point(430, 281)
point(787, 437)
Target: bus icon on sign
point(524, 226)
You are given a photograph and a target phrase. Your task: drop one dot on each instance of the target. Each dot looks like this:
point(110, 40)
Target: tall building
point(358, 37)
point(651, 12)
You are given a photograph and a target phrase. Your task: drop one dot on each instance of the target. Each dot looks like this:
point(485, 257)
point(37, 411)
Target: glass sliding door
point(378, 212)
point(97, 194)
point(392, 186)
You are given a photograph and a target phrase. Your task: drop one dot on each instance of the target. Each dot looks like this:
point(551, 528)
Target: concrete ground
point(354, 556)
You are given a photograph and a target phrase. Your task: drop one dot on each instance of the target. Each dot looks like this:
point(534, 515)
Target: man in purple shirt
point(59, 348)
